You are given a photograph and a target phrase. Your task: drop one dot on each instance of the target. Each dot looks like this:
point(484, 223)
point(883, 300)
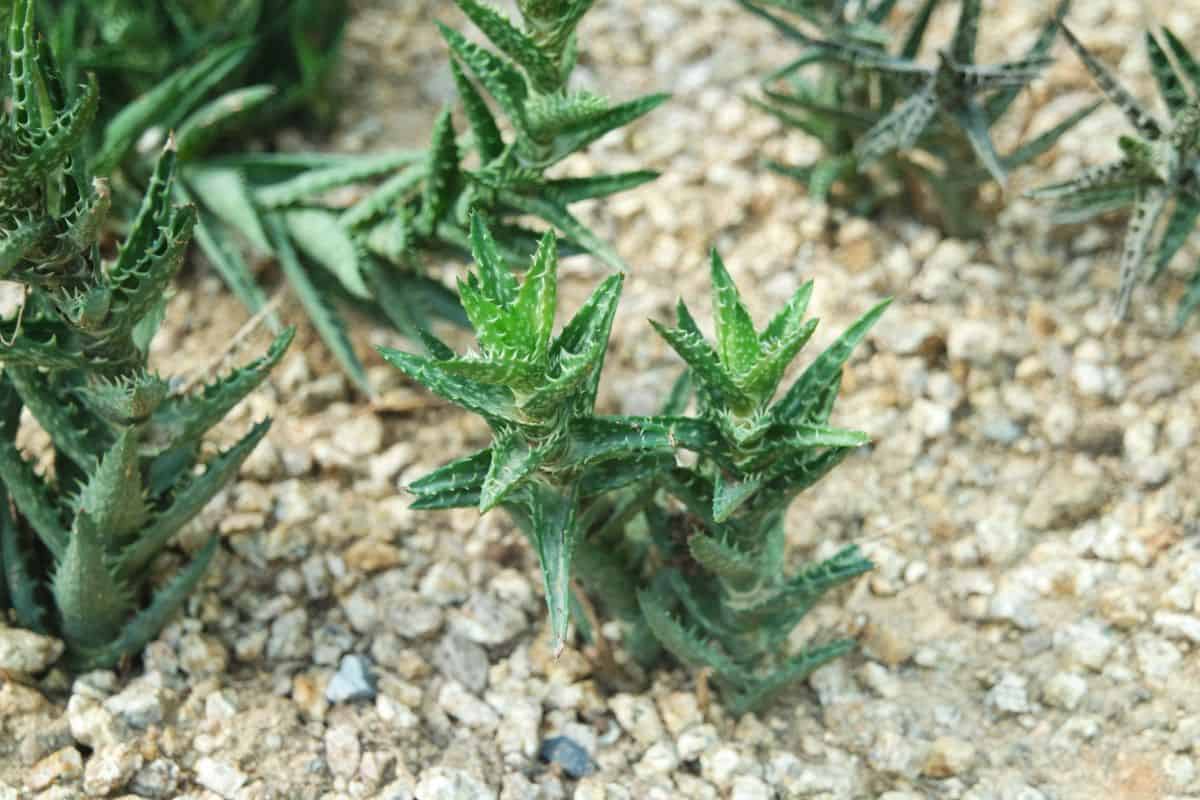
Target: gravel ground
point(1030, 633)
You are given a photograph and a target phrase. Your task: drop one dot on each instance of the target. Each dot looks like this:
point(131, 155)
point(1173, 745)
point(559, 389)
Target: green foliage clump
point(920, 125)
point(1159, 168)
point(130, 45)
point(691, 558)
point(370, 253)
point(78, 539)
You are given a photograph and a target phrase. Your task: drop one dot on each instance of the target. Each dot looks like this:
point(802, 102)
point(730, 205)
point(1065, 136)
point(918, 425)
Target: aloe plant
point(869, 106)
point(131, 46)
point(1159, 169)
point(690, 558)
point(78, 541)
point(371, 253)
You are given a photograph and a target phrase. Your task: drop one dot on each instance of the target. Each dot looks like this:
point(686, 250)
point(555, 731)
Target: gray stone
point(353, 681)
point(567, 754)
point(486, 621)
point(289, 638)
point(460, 659)
point(139, 705)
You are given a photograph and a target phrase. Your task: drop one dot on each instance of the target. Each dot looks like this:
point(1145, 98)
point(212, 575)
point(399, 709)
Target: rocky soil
point(1032, 629)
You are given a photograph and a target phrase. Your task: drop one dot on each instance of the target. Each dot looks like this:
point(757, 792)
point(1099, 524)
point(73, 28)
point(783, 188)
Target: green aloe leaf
point(704, 364)
point(167, 103)
point(514, 44)
point(488, 401)
point(502, 81)
point(187, 501)
point(512, 462)
point(1179, 227)
point(149, 622)
point(92, 601)
point(1170, 86)
point(484, 130)
point(318, 234)
point(329, 325)
point(806, 395)
point(225, 192)
point(1188, 65)
point(552, 517)
point(209, 122)
point(737, 340)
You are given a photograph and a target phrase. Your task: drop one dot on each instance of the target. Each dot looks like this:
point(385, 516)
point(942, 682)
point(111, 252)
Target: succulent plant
point(370, 254)
point(78, 540)
point(872, 107)
point(1159, 169)
point(690, 558)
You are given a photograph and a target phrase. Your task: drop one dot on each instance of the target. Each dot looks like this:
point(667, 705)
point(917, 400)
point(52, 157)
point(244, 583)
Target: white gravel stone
point(748, 787)
point(1178, 626)
point(342, 750)
point(1065, 690)
point(219, 777)
point(1085, 644)
point(445, 583)
point(695, 740)
point(638, 716)
point(520, 723)
point(660, 759)
point(466, 707)
point(974, 341)
point(111, 768)
point(92, 724)
point(1009, 694)
point(719, 764)
point(446, 783)
point(948, 756)
point(26, 653)
point(395, 713)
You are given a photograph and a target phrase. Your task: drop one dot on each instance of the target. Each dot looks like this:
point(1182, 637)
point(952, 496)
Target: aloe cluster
point(371, 253)
point(922, 125)
point(78, 539)
point(1159, 168)
point(141, 48)
point(691, 558)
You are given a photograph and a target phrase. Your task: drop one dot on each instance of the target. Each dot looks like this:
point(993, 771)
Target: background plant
point(370, 254)
point(77, 541)
point(691, 558)
point(921, 126)
point(1159, 169)
point(192, 54)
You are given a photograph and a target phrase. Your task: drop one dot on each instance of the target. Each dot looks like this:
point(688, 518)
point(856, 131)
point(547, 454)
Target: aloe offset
point(690, 558)
point(77, 543)
point(1159, 169)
